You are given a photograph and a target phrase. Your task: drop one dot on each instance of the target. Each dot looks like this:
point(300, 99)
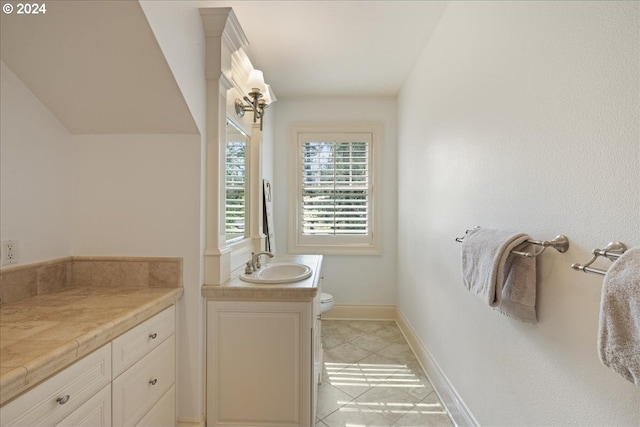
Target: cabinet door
point(259, 369)
point(138, 389)
point(163, 414)
point(95, 412)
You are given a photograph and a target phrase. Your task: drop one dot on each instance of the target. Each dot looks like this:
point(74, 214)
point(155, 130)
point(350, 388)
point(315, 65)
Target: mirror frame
point(240, 250)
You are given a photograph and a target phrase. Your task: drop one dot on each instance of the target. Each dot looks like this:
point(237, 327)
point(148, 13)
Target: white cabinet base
point(260, 366)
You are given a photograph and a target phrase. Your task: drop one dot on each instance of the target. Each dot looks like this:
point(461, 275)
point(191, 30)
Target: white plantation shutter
point(335, 186)
point(333, 190)
point(333, 200)
point(235, 189)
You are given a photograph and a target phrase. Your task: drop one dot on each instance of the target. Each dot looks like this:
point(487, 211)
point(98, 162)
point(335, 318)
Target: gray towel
point(501, 279)
point(619, 331)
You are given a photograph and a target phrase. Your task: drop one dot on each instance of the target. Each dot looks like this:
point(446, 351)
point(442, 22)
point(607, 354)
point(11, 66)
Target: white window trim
point(332, 244)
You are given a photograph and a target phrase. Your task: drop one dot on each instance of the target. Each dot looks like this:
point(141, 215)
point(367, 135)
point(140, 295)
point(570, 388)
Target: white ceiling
point(335, 47)
point(87, 58)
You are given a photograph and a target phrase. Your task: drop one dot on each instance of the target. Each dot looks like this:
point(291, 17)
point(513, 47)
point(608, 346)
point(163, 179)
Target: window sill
point(334, 250)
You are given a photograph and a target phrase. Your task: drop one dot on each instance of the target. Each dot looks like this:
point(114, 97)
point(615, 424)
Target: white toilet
point(326, 302)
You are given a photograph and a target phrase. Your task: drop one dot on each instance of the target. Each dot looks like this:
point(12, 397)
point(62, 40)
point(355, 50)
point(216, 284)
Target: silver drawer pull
point(64, 399)
point(153, 336)
point(153, 381)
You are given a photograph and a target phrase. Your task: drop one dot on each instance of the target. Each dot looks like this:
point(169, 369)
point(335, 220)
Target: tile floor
point(371, 378)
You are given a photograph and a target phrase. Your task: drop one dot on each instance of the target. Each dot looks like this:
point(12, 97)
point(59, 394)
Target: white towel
point(501, 279)
point(619, 330)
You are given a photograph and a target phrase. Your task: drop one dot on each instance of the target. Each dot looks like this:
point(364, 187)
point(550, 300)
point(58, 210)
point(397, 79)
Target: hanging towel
point(619, 330)
point(505, 281)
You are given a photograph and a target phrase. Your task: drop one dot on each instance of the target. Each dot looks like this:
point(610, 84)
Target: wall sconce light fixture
point(258, 99)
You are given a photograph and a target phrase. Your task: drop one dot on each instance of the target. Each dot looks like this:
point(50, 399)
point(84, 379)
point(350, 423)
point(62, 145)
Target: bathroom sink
point(278, 272)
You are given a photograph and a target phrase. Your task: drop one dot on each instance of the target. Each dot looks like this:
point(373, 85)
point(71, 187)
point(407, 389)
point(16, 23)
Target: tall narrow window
point(333, 203)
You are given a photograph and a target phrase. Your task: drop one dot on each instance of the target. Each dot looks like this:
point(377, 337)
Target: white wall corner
point(458, 412)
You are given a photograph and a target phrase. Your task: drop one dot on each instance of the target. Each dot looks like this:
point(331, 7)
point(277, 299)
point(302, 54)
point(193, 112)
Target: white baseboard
point(361, 312)
point(448, 396)
point(191, 423)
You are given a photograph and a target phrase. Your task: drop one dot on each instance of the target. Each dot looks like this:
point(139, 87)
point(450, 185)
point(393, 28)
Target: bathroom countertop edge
point(16, 378)
point(236, 289)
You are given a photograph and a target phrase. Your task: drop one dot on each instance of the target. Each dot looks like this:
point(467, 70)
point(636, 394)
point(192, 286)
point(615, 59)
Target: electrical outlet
point(9, 252)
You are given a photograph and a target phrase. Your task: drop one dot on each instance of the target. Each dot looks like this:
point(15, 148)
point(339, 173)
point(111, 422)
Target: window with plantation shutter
point(335, 187)
point(235, 219)
point(333, 204)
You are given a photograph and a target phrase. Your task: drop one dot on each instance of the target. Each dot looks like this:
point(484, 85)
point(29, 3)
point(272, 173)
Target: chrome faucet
point(255, 259)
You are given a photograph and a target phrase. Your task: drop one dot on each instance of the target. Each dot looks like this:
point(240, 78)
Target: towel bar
point(559, 243)
point(612, 251)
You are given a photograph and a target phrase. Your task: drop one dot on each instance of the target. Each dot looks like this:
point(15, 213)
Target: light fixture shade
point(272, 95)
point(266, 96)
point(256, 81)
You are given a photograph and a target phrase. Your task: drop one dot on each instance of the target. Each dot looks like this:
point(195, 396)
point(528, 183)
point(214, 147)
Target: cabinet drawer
point(163, 414)
point(131, 346)
point(95, 412)
point(60, 395)
point(140, 387)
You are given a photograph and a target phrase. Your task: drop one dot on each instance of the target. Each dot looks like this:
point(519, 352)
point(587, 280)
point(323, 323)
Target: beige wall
point(522, 116)
point(35, 175)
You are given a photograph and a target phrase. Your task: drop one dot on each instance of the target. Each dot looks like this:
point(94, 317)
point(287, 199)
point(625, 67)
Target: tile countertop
point(237, 289)
point(41, 335)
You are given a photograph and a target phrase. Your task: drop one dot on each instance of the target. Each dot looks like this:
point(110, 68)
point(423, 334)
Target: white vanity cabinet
point(65, 398)
point(129, 381)
point(260, 363)
point(144, 371)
